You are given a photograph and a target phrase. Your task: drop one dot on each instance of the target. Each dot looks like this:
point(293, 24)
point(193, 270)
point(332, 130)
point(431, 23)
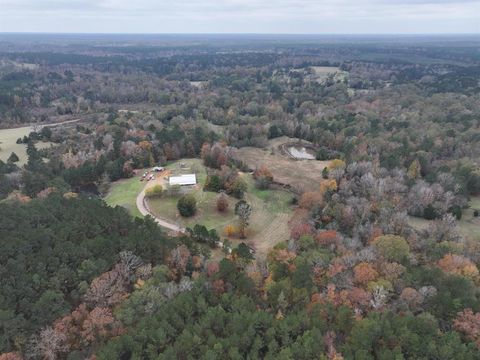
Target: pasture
point(8, 138)
point(301, 175)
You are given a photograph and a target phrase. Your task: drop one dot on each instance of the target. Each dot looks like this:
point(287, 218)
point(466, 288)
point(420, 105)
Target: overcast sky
point(241, 16)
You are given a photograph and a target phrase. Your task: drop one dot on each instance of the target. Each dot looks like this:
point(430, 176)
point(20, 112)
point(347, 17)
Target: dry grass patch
point(301, 175)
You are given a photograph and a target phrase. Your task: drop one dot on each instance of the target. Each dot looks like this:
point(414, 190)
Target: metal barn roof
point(188, 179)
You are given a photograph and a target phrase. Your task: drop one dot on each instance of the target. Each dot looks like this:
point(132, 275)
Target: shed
point(187, 179)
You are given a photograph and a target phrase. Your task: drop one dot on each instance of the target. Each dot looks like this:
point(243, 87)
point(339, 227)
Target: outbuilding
point(183, 180)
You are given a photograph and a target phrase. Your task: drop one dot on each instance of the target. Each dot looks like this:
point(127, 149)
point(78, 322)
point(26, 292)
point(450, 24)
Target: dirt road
point(142, 206)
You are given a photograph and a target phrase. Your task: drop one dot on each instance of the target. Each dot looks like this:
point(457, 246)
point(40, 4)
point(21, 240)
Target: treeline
point(52, 249)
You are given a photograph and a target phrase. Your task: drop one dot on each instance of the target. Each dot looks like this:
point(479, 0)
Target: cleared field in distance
point(301, 175)
point(468, 225)
point(325, 70)
point(8, 138)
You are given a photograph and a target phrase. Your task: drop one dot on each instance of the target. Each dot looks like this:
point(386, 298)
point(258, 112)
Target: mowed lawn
point(124, 193)
point(165, 207)
point(468, 225)
point(8, 138)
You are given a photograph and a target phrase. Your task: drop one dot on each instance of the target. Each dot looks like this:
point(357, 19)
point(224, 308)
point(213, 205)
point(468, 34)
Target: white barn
point(188, 179)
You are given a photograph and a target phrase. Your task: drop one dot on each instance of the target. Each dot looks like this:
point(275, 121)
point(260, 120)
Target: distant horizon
point(389, 17)
point(238, 33)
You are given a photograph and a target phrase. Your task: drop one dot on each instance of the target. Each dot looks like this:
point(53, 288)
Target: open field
point(324, 70)
point(124, 193)
point(8, 138)
point(271, 211)
point(468, 225)
point(301, 175)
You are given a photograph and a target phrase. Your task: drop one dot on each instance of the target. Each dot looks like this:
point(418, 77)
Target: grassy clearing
point(469, 226)
point(207, 214)
point(8, 138)
point(270, 209)
point(303, 175)
point(124, 193)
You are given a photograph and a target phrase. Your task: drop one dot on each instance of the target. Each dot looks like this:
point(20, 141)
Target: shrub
point(213, 183)
point(430, 213)
point(336, 164)
point(201, 234)
point(310, 199)
point(325, 173)
point(238, 188)
point(476, 213)
point(230, 230)
point(457, 212)
point(154, 191)
point(222, 203)
point(187, 205)
point(262, 183)
point(13, 158)
point(263, 177)
point(300, 230)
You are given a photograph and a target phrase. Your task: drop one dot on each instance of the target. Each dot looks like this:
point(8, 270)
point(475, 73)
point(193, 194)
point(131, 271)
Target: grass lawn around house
point(165, 207)
point(124, 193)
point(271, 209)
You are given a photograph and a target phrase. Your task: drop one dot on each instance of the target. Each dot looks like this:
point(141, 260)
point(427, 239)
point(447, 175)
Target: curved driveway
point(144, 210)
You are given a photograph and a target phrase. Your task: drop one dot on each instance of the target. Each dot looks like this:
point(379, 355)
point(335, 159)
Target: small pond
point(301, 153)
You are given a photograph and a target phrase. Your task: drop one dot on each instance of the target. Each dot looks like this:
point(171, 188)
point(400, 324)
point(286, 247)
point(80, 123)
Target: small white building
point(188, 179)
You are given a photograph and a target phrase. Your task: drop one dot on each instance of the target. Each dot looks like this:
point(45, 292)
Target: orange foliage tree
point(230, 230)
point(364, 273)
point(468, 323)
point(411, 297)
point(328, 185)
point(301, 229)
point(178, 260)
point(222, 203)
point(327, 238)
point(457, 264)
point(262, 171)
point(310, 199)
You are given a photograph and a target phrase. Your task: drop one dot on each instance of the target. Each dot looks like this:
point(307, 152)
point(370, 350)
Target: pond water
point(300, 153)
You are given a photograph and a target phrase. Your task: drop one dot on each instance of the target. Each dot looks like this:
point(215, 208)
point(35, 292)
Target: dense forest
point(397, 120)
